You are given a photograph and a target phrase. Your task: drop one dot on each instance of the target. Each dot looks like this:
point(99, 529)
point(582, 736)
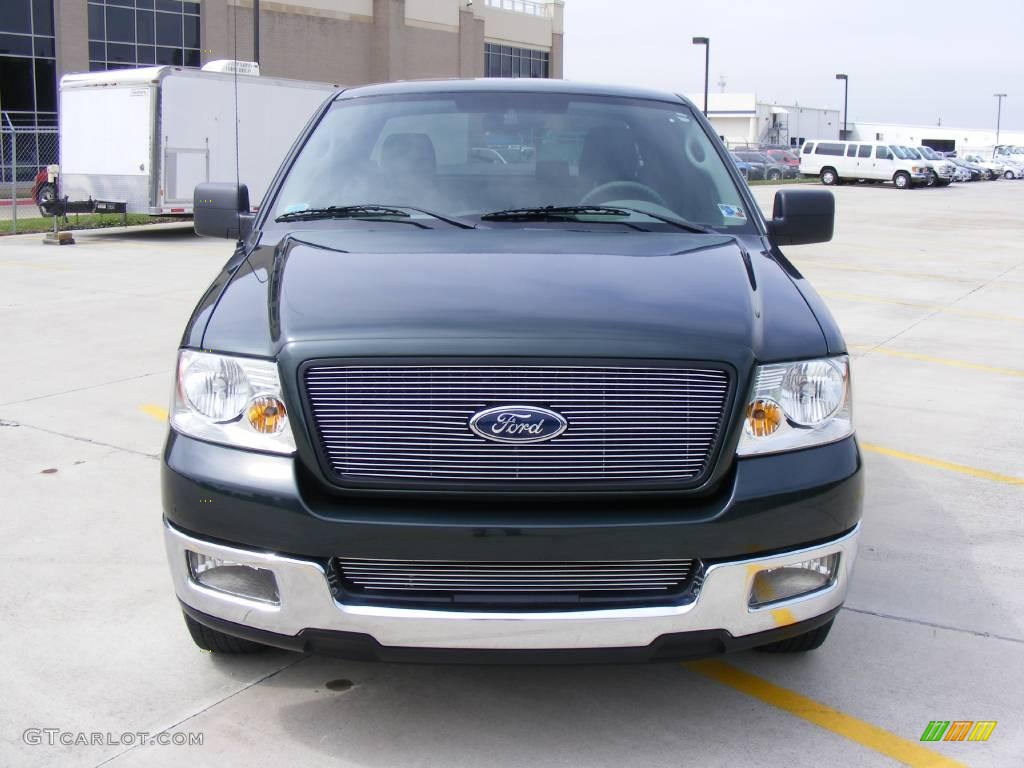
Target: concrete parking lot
point(928, 286)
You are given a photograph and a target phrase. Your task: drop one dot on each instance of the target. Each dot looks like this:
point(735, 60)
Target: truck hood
point(513, 292)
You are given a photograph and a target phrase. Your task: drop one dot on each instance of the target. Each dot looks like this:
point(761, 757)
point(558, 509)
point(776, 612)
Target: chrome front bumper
point(306, 602)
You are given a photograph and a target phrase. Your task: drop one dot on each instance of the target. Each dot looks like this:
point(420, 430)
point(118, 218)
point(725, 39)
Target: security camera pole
point(706, 42)
point(256, 31)
point(999, 113)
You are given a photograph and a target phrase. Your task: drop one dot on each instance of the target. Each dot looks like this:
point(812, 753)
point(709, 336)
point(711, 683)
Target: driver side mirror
point(221, 209)
point(802, 216)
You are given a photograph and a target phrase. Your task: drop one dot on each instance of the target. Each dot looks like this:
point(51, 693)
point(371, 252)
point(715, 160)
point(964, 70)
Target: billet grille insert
point(411, 424)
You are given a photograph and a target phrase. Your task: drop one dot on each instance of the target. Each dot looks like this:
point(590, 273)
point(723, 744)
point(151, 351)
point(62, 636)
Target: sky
point(909, 61)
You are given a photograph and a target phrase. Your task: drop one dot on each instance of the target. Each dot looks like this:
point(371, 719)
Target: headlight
point(231, 400)
point(798, 405)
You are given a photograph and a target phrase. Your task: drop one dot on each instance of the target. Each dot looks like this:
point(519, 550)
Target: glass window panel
point(42, 17)
point(168, 29)
point(191, 8)
point(97, 51)
point(191, 25)
point(46, 85)
point(121, 53)
point(169, 56)
point(147, 54)
point(506, 66)
point(169, 5)
point(120, 25)
point(97, 66)
point(144, 27)
point(123, 3)
point(191, 58)
point(144, 4)
point(97, 29)
point(16, 16)
point(16, 75)
point(44, 47)
point(15, 45)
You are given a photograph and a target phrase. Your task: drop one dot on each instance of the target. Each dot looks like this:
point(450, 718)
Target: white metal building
point(741, 119)
point(938, 137)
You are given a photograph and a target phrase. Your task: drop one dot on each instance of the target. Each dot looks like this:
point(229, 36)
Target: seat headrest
point(408, 153)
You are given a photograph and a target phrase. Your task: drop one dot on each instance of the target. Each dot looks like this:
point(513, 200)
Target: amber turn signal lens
point(266, 415)
point(763, 418)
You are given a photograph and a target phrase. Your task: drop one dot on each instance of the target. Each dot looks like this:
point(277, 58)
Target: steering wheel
point(622, 190)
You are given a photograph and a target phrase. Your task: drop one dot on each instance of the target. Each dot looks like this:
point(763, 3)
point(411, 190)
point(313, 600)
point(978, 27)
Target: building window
point(124, 34)
point(506, 61)
point(28, 70)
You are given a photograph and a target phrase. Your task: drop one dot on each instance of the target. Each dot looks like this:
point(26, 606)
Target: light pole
point(999, 112)
point(846, 94)
point(256, 31)
point(706, 42)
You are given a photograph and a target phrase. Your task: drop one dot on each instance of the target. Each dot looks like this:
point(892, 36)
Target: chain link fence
point(25, 150)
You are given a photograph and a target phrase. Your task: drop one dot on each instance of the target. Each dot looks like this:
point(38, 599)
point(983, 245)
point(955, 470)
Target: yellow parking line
point(863, 733)
point(939, 360)
point(158, 413)
point(920, 305)
point(949, 466)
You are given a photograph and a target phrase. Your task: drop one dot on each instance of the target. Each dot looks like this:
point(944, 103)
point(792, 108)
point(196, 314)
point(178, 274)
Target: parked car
point(944, 171)
point(773, 171)
point(993, 169)
point(742, 165)
point(783, 157)
point(755, 171)
point(474, 424)
point(837, 161)
point(976, 171)
point(963, 173)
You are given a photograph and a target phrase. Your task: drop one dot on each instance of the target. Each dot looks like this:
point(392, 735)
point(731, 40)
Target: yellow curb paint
point(861, 297)
point(158, 413)
point(858, 731)
point(949, 466)
point(940, 360)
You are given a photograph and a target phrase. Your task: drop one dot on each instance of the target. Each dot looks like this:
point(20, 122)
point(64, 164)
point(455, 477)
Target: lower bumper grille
point(530, 583)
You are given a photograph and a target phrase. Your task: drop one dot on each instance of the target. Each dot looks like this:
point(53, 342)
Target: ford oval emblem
point(518, 424)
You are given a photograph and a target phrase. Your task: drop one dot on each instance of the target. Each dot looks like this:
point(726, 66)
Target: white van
point(837, 161)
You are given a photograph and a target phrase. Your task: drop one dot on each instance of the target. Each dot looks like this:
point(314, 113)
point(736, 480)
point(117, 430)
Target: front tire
point(1008, 175)
point(902, 180)
point(774, 176)
point(217, 642)
point(808, 641)
point(829, 177)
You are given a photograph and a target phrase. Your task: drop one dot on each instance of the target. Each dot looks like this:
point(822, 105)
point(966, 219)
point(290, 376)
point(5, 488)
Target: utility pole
point(999, 112)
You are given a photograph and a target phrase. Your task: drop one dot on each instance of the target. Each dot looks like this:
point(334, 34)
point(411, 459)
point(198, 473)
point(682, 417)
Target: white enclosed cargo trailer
point(139, 140)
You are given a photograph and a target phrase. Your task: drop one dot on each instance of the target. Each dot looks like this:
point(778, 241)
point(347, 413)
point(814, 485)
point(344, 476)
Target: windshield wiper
point(369, 211)
point(568, 212)
point(552, 213)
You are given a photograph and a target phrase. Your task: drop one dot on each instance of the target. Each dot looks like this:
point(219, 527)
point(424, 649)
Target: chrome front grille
point(410, 424)
point(398, 578)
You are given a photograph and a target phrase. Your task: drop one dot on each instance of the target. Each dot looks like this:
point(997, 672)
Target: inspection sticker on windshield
point(732, 212)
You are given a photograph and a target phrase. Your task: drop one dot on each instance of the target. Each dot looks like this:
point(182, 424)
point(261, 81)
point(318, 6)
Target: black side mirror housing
point(802, 216)
point(221, 209)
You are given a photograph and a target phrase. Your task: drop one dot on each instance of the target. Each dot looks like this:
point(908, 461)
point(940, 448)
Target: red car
point(783, 156)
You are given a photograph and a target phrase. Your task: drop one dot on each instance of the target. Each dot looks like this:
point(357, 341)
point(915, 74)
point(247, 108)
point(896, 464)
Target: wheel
point(217, 642)
point(774, 175)
point(808, 641)
point(1008, 175)
point(44, 199)
point(932, 179)
point(990, 175)
point(829, 176)
point(901, 180)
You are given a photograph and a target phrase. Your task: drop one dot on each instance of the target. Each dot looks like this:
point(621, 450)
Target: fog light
point(234, 578)
point(794, 580)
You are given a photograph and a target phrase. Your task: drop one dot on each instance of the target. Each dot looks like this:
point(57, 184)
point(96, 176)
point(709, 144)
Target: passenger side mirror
point(221, 209)
point(802, 216)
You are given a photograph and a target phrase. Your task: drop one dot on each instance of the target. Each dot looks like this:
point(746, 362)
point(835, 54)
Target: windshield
point(464, 155)
point(901, 153)
point(930, 153)
point(912, 153)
